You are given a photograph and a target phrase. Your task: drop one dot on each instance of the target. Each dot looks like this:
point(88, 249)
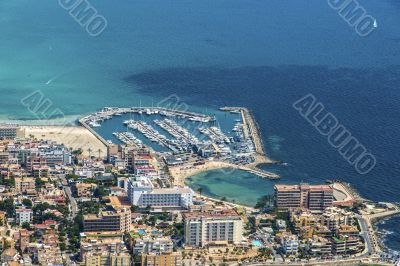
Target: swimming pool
point(256, 243)
point(141, 231)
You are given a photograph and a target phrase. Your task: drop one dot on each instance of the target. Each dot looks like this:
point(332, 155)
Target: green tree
point(39, 183)
point(26, 225)
point(264, 201)
point(148, 208)
point(71, 176)
point(27, 203)
point(63, 246)
point(7, 205)
point(152, 220)
point(77, 152)
point(100, 192)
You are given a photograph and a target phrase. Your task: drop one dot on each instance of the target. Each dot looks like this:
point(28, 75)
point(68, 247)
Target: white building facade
point(142, 193)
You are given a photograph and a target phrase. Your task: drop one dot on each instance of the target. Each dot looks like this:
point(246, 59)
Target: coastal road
point(368, 231)
point(366, 234)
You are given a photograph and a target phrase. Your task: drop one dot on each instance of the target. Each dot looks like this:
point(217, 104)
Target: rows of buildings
point(326, 229)
point(124, 212)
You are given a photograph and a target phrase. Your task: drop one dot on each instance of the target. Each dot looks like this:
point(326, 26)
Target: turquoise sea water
point(41, 42)
point(234, 185)
point(260, 54)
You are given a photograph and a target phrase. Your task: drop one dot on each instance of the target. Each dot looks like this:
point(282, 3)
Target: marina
point(128, 138)
point(95, 120)
point(190, 138)
point(177, 131)
point(153, 135)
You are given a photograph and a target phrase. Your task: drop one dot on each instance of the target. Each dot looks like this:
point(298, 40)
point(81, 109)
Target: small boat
point(375, 24)
point(94, 124)
point(126, 122)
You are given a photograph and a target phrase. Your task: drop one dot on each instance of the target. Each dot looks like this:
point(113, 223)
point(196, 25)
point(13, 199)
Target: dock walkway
point(260, 172)
point(85, 125)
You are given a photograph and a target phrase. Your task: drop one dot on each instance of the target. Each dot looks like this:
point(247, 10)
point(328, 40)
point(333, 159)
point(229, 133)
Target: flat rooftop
point(224, 213)
point(9, 126)
point(294, 188)
point(175, 190)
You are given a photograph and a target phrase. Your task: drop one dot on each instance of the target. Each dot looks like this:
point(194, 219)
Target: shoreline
point(72, 136)
point(182, 172)
point(75, 135)
point(379, 234)
point(382, 233)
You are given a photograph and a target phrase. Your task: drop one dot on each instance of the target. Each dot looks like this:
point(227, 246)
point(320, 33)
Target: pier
point(251, 126)
point(176, 130)
point(108, 112)
point(251, 131)
point(152, 134)
point(82, 121)
point(260, 173)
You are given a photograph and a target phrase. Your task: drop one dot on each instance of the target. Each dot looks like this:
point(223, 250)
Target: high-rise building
point(312, 197)
point(216, 227)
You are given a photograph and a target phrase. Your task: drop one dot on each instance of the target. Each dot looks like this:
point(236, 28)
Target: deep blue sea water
point(262, 54)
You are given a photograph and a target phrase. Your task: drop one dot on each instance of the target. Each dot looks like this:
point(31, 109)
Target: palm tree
point(270, 200)
point(200, 190)
point(99, 151)
point(90, 150)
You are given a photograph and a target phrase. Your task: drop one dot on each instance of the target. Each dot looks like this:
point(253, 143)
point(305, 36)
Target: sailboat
point(375, 24)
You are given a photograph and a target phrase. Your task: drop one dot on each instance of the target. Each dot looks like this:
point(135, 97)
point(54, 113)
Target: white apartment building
point(157, 245)
point(56, 155)
point(23, 216)
point(290, 244)
point(217, 227)
point(142, 193)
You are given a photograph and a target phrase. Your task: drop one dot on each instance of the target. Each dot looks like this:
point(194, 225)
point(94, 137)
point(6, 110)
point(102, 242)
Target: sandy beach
point(74, 137)
point(182, 171)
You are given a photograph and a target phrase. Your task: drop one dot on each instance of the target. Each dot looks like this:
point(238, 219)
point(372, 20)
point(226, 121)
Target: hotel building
point(314, 198)
point(10, 131)
point(119, 220)
point(142, 193)
point(217, 227)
